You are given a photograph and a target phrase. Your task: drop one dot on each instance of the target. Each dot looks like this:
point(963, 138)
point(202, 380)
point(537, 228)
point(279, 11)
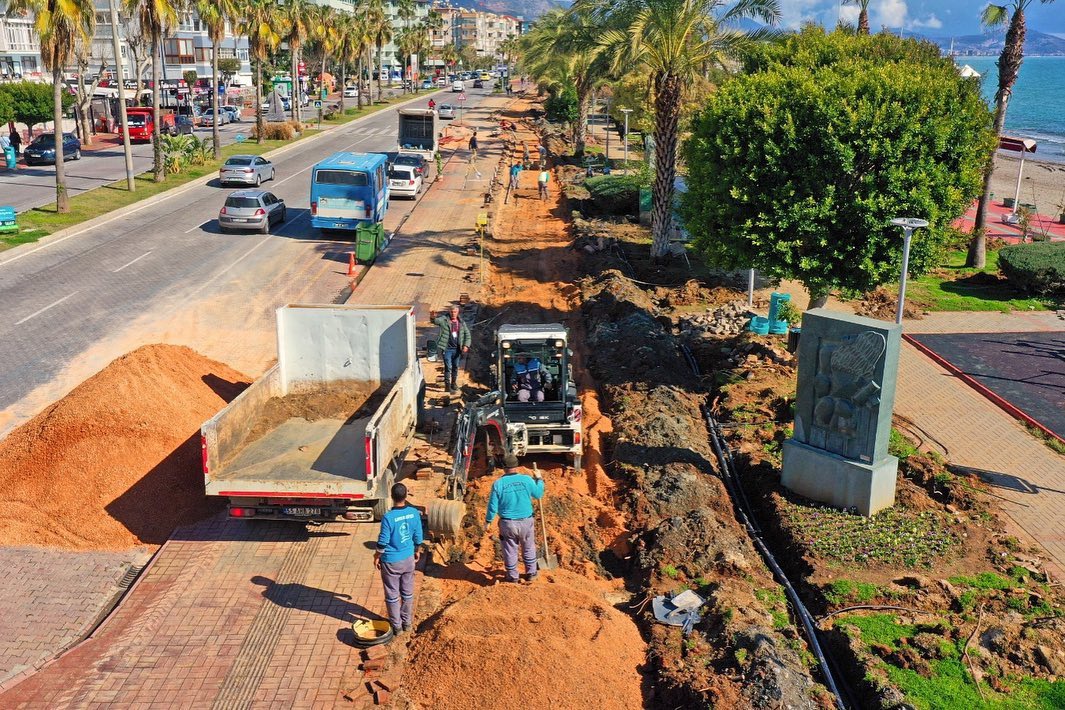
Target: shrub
point(1036, 268)
point(614, 194)
point(280, 131)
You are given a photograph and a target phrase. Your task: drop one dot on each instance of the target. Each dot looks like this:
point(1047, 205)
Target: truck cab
point(529, 424)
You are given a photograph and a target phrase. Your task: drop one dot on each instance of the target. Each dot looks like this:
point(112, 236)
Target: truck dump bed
point(329, 417)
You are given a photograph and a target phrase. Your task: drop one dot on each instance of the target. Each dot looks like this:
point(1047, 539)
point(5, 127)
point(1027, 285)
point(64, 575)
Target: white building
point(20, 54)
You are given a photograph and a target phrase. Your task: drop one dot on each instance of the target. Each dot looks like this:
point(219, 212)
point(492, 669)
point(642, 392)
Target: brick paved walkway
point(979, 435)
point(50, 598)
point(232, 614)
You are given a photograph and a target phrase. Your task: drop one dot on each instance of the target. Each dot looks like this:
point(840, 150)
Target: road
point(165, 273)
point(34, 186)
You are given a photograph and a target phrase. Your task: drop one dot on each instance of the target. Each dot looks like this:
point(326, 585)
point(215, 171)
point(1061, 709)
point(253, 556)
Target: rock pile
point(755, 352)
point(729, 319)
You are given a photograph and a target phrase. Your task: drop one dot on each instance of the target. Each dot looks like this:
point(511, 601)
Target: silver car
point(207, 118)
point(251, 209)
point(246, 170)
point(445, 111)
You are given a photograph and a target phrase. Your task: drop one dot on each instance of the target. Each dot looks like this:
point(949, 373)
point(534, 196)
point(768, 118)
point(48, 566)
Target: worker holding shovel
point(511, 498)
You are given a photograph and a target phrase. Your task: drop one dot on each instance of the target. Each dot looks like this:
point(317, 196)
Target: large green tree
point(216, 14)
point(797, 169)
point(60, 26)
point(259, 21)
point(298, 17)
point(32, 103)
point(1012, 17)
point(675, 41)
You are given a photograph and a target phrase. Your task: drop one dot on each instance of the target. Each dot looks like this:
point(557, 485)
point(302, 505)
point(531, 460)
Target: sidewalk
point(231, 614)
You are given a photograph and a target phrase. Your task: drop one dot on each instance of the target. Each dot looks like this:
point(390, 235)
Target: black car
point(184, 125)
point(42, 150)
point(478, 83)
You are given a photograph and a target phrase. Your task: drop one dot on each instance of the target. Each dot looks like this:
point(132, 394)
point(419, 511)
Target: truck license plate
point(303, 512)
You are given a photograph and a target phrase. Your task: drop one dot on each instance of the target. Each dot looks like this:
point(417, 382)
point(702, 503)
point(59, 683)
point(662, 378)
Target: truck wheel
point(445, 517)
point(384, 504)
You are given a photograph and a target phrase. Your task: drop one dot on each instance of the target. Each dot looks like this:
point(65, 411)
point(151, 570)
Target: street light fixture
point(908, 224)
point(625, 139)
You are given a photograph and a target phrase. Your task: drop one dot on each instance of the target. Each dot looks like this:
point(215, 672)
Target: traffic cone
point(351, 263)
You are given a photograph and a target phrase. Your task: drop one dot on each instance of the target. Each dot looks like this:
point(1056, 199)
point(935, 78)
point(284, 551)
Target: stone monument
point(838, 453)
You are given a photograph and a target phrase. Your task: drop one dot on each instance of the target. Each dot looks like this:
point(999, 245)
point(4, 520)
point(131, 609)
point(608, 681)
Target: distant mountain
point(1036, 44)
point(527, 9)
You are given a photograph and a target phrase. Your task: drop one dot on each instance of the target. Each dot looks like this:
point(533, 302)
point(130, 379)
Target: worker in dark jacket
point(453, 342)
point(511, 498)
point(398, 550)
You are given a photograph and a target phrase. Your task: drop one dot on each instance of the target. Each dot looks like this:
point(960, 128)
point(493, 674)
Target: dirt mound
point(553, 644)
point(339, 400)
point(116, 462)
point(882, 304)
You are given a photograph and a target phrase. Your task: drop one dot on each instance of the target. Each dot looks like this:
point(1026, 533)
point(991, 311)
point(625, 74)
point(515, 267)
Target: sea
point(1037, 107)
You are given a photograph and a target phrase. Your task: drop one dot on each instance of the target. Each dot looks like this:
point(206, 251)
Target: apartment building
point(20, 54)
point(484, 31)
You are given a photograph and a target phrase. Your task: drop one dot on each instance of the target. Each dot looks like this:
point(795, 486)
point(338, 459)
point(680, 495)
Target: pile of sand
point(553, 644)
point(115, 463)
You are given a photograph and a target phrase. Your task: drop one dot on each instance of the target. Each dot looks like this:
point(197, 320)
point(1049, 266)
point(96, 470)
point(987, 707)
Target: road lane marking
point(198, 226)
point(34, 315)
point(239, 259)
point(291, 222)
point(132, 262)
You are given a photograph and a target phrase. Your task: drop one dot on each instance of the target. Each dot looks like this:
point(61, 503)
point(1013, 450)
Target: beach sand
point(1043, 183)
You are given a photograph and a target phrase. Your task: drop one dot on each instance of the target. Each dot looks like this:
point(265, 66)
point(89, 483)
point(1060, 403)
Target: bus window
point(341, 177)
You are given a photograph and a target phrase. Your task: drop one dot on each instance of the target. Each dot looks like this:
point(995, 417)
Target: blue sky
point(931, 17)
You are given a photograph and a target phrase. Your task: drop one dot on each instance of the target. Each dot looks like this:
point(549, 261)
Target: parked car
point(208, 117)
point(233, 111)
point(427, 83)
point(412, 160)
point(445, 111)
point(246, 169)
point(403, 181)
point(41, 151)
point(351, 92)
point(458, 86)
point(251, 209)
point(478, 83)
point(441, 81)
point(185, 125)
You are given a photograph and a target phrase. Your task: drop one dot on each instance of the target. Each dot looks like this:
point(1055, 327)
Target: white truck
point(417, 132)
point(277, 452)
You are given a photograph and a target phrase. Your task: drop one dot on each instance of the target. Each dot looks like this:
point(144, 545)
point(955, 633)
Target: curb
point(997, 400)
point(18, 252)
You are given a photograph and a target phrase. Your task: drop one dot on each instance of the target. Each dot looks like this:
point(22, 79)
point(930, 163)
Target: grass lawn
point(953, 287)
point(42, 221)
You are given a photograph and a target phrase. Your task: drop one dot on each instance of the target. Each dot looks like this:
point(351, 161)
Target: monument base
point(832, 479)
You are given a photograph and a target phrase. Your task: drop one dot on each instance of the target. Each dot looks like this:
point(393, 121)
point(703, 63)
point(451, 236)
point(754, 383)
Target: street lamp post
point(908, 224)
point(625, 138)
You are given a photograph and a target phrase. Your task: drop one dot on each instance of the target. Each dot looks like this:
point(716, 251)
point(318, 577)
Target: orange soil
point(553, 644)
point(115, 463)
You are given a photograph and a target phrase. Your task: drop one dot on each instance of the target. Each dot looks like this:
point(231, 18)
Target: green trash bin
point(369, 239)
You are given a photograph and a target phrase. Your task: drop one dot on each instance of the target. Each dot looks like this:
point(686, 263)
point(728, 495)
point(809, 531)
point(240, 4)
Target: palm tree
point(380, 29)
point(1009, 67)
point(155, 17)
point(258, 22)
point(298, 17)
point(563, 47)
point(60, 26)
point(349, 46)
point(863, 14)
point(675, 41)
point(215, 14)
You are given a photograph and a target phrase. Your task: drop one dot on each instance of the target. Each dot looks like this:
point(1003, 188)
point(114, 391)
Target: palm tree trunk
point(358, 81)
point(216, 136)
point(62, 203)
point(260, 127)
point(343, 83)
point(667, 125)
point(157, 141)
point(294, 100)
point(863, 21)
point(580, 134)
point(380, 69)
point(1009, 66)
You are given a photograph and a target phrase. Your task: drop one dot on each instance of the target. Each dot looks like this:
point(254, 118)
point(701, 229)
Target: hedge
point(1035, 268)
point(614, 194)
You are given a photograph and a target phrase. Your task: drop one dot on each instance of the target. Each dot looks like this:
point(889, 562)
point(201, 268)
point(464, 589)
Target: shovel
point(547, 559)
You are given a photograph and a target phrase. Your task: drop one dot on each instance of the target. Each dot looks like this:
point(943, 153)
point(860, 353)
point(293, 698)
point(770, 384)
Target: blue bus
point(349, 189)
